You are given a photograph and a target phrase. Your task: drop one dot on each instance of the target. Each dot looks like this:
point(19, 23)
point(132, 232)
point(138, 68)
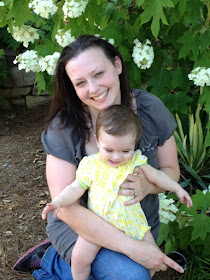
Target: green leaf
point(20, 12)
point(203, 59)
point(207, 140)
point(134, 74)
point(125, 53)
point(46, 47)
point(204, 40)
point(194, 8)
point(139, 2)
point(190, 42)
point(201, 224)
point(185, 237)
point(171, 245)
point(40, 82)
point(183, 101)
point(154, 10)
point(160, 77)
point(171, 102)
point(192, 172)
point(205, 98)
point(182, 6)
point(163, 233)
point(179, 78)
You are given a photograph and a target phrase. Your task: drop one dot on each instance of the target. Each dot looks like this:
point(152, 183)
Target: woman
point(91, 76)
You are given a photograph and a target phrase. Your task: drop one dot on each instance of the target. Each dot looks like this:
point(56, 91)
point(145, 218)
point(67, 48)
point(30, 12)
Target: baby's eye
point(126, 151)
point(109, 151)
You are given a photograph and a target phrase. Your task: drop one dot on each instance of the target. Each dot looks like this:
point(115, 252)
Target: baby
point(117, 131)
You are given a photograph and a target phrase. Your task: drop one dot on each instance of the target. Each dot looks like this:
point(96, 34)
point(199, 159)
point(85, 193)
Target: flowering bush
point(44, 8)
point(190, 233)
point(154, 38)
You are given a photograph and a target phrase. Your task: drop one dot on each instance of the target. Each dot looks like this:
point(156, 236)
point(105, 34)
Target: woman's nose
point(93, 86)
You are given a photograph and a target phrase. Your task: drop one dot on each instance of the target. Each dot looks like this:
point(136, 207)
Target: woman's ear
point(118, 64)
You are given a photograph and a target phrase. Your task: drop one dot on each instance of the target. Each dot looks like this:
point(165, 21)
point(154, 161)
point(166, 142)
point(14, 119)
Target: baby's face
point(115, 150)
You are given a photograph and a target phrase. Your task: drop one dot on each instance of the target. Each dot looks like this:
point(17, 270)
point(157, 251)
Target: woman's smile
point(101, 97)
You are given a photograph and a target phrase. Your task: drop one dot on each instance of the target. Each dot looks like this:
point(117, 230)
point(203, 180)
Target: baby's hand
point(50, 208)
point(184, 197)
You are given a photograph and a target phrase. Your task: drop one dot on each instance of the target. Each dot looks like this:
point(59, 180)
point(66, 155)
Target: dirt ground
point(23, 189)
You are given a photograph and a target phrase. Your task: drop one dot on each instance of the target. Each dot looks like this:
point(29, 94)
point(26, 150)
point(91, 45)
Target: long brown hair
point(65, 102)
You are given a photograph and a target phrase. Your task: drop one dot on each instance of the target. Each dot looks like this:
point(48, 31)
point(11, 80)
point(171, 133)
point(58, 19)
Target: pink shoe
point(31, 260)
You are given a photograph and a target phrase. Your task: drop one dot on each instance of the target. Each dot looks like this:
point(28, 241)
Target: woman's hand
point(152, 258)
point(136, 185)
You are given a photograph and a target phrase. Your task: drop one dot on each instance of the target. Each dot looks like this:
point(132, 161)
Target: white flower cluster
point(74, 8)
point(43, 7)
point(24, 34)
point(143, 54)
point(48, 63)
point(29, 61)
point(1, 3)
point(64, 37)
point(200, 76)
point(166, 209)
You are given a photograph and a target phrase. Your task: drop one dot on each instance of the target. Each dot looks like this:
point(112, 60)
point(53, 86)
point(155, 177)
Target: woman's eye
point(99, 74)
point(80, 83)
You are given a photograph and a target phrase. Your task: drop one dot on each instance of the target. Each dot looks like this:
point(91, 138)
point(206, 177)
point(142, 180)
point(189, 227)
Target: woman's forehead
point(86, 62)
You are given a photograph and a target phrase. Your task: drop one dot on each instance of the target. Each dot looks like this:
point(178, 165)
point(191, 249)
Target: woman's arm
point(168, 163)
point(94, 229)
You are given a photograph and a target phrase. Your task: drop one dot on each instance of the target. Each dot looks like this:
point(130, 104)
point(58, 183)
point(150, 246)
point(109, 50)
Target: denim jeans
point(108, 265)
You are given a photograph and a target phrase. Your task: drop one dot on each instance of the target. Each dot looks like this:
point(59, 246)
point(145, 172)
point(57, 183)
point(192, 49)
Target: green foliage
point(178, 29)
point(190, 234)
point(194, 152)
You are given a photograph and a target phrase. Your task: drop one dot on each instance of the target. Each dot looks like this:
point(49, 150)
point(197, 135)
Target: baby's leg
point(83, 255)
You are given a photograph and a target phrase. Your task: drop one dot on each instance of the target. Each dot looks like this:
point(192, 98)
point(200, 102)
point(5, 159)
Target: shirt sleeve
point(62, 143)
point(138, 159)
point(83, 173)
point(156, 119)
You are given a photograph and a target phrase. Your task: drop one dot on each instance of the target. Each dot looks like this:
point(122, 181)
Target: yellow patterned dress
point(103, 182)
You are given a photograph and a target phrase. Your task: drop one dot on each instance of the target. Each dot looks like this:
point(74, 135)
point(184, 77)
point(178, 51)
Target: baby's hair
point(118, 120)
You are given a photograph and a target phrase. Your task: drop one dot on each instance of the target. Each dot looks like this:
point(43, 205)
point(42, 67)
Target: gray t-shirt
point(158, 125)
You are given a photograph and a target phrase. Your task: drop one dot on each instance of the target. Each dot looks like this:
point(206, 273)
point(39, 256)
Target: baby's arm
point(160, 179)
point(68, 195)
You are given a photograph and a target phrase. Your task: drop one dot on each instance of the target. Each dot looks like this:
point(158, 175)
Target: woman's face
point(95, 79)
